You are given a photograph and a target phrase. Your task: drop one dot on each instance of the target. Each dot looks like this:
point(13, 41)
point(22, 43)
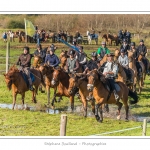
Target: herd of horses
point(92, 87)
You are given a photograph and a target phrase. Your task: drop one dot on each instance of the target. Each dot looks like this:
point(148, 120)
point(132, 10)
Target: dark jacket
point(92, 65)
point(127, 47)
point(41, 54)
point(24, 60)
point(142, 49)
point(52, 60)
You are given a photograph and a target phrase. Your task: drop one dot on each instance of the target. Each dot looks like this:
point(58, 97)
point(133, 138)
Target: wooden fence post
point(144, 127)
point(63, 125)
point(7, 56)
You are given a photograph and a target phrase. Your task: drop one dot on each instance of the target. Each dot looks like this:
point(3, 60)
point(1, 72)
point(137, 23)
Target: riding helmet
point(27, 48)
point(124, 40)
point(94, 54)
point(132, 44)
point(72, 52)
point(122, 51)
point(141, 40)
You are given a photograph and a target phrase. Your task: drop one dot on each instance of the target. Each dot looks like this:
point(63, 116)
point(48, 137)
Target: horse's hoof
point(100, 121)
point(126, 120)
point(118, 117)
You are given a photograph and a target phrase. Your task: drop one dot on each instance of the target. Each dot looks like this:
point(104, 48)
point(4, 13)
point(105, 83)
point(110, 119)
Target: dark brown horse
point(111, 39)
point(97, 82)
point(79, 80)
point(61, 80)
point(15, 81)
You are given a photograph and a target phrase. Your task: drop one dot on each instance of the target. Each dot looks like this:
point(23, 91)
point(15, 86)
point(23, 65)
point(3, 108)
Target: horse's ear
point(62, 50)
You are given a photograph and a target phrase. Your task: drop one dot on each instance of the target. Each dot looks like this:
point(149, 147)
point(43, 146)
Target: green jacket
point(102, 51)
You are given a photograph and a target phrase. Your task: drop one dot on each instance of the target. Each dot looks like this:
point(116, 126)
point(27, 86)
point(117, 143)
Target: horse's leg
point(48, 94)
point(84, 102)
point(14, 100)
point(23, 96)
point(72, 102)
point(119, 104)
point(35, 93)
point(96, 113)
point(93, 106)
point(126, 106)
point(54, 97)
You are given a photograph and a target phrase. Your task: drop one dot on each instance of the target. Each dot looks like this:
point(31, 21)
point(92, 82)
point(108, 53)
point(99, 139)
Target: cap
point(122, 51)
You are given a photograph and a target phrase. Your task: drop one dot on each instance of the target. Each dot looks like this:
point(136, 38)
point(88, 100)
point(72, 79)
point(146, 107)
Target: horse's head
point(56, 76)
point(45, 69)
point(140, 56)
point(117, 53)
point(37, 60)
point(93, 78)
point(11, 76)
point(74, 81)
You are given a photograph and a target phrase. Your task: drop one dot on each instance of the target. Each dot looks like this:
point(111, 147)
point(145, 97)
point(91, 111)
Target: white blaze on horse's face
point(90, 87)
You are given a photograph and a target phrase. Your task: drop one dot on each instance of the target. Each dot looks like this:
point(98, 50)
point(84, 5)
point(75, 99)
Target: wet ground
point(79, 111)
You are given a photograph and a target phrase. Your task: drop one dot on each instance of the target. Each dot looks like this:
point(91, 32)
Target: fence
point(64, 124)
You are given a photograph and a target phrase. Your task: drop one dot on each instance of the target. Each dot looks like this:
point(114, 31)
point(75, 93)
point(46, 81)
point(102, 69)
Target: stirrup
point(116, 97)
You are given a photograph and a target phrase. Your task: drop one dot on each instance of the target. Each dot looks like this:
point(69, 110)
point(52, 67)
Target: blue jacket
point(52, 60)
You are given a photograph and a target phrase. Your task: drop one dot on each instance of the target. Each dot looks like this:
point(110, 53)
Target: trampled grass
point(30, 123)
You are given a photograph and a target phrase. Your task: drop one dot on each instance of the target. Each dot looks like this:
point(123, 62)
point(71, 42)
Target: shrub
point(15, 24)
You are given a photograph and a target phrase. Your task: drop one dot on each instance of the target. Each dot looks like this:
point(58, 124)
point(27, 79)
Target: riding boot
point(30, 85)
point(116, 95)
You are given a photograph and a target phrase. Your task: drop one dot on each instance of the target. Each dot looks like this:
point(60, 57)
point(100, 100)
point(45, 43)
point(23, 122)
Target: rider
point(142, 49)
point(39, 52)
point(92, 64)
point(25, 62)
point(124, 61)
point(81, 56)
point(134, 50)
point(52, 59)
point(120, 36)
point(102, 51)
point(110, 72)
point(125, 46)
point(72, 63)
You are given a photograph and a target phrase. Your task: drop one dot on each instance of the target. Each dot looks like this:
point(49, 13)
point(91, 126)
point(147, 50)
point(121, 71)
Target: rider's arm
point(77, 65)
point(28, 60)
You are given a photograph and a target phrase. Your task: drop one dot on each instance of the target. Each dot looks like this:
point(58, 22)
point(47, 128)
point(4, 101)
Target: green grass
point(27, 123)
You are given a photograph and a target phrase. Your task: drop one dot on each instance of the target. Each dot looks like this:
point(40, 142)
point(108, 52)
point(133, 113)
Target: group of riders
point(79, 58)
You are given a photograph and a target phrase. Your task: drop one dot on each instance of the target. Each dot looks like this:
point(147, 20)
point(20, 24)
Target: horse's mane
point(13, 69)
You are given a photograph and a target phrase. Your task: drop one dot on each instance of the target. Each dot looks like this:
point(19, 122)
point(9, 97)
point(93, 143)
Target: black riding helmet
point(72, 52)
point(94, 54)
point(132, 44)
point(27, 48)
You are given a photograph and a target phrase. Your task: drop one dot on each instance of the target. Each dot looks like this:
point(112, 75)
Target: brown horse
point(112, 38)
point(37, 61)
point(78, 80)
point(96, 83)
point(47, 71)
point(61, 80)
point(63, 58)
point(15, 81)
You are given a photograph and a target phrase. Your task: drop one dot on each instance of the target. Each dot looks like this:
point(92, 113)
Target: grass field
point(37, 123)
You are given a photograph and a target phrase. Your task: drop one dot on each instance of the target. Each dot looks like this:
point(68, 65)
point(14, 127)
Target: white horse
point(91, 37)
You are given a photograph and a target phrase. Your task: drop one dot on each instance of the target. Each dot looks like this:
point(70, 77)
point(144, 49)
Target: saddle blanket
point(26, 78)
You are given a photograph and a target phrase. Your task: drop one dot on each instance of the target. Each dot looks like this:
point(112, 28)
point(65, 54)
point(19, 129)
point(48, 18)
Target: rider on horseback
point(141, 49)
point(81, 56)
point(125, 46)
point(25, 62)
point(124, 61)
point(138, 66)
point(92, 64)
point(72, 64)
point(110, 72)
point(102, 50)
point(39, 52)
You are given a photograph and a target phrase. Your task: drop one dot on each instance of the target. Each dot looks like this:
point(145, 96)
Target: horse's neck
point(64, 79)
point(132, 64)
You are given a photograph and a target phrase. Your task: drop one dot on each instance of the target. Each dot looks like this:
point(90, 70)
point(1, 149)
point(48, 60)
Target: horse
point(132, 66)
point(63, 58)
point(61, 80)
point(105, 38)
point(47, 71)
point(78, 80)
point(92, 37)
point(97, 84)
point(37, 61)
point(112, 38)
point(15, 81)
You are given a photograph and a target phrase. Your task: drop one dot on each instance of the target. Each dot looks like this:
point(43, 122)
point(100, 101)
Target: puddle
point(78, 110)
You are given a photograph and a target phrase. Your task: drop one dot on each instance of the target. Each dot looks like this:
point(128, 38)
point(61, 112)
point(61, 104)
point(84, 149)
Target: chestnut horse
point(63, 58)
point(37, 61)
point(47, 71)
point(61, 80)
point(15, 81)
point(79, 80)
point(96, 83)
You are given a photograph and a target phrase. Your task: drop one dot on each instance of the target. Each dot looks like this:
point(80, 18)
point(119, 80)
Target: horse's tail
point(134, 96)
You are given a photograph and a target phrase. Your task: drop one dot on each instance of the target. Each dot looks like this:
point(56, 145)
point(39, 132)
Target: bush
point(15, 24)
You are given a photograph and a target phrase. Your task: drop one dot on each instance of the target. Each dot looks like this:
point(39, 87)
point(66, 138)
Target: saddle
point(26, 78)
